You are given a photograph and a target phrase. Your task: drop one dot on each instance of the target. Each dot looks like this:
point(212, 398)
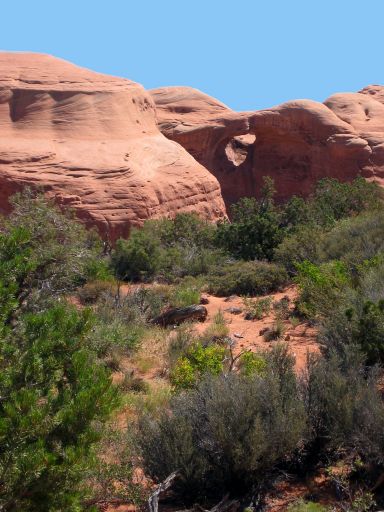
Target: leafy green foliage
point(246, 278)
point(307, 506)
point(251, 363)
point(43, 252)
point(53, 391)
point(321, 287)
point(167, 248)
point(197, 362)
point(254, 230)
point(55, 396)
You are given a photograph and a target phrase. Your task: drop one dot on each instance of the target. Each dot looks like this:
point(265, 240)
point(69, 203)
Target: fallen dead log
point(175, 316)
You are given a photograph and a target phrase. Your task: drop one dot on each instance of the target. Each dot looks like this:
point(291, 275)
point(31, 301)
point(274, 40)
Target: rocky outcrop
point(92, 142)
point(296, 143)
point(119, 155)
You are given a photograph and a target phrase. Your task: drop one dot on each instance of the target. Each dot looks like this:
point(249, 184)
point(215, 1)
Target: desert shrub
point(344, 406)
point(198, 361)
point(144, 303)
point(92, 291)
point(301, 245)
point(334, 200)
point(322, 287)
point(226, 435)
point(54, 250)
point(167, 248)
point(306, 506)
point(257, 308)
point(122, 321)
point(251, 363)
point(254, 230)
point(184, 296)
point(355, 240)
point(138, 257)
point(55, 400)
point(114, 336)
point(216, 332)
point(246, 278)
point(180, 342)
point(275, 332)
point(368, 330)
point(281, 308)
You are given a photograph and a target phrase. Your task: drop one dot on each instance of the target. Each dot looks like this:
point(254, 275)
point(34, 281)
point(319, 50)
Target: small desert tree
point(54, 396)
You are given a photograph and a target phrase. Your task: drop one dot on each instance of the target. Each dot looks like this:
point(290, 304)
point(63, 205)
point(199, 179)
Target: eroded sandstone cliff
point(296, 143)
point(91, 141)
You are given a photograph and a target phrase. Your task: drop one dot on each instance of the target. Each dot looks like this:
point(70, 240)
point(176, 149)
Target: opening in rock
point(237, 148)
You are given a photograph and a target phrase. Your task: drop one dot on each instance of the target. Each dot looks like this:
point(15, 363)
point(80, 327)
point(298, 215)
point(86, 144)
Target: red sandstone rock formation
point(91, 141)
point(296, 143)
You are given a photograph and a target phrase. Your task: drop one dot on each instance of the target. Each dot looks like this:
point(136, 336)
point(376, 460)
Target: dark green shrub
point(301, 245)
point(246, 278)
point(334, 200)
point(54, 250)
point(355, 240)
point(138, 257)
point(368, 330)
point(254, 230)
point(54, 394)
point(166, 248)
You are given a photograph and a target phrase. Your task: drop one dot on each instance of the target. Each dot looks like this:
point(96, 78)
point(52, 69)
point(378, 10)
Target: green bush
point(355, 240)
point(196, 363)
point(166, 248)
point(254, 230)
point(54, 396)
point(53, 253)
point(251, 363)
point(334, 200)
point(184, 296)
point(322, 287)
point(301, 245)
point(226, 435)
point(307, 506)
point(246, 278)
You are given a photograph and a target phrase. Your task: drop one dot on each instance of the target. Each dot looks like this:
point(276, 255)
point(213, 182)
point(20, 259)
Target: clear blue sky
point(248, 53)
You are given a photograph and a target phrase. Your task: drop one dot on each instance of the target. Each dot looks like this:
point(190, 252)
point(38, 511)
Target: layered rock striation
point(91, 141)
point(296, 143)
